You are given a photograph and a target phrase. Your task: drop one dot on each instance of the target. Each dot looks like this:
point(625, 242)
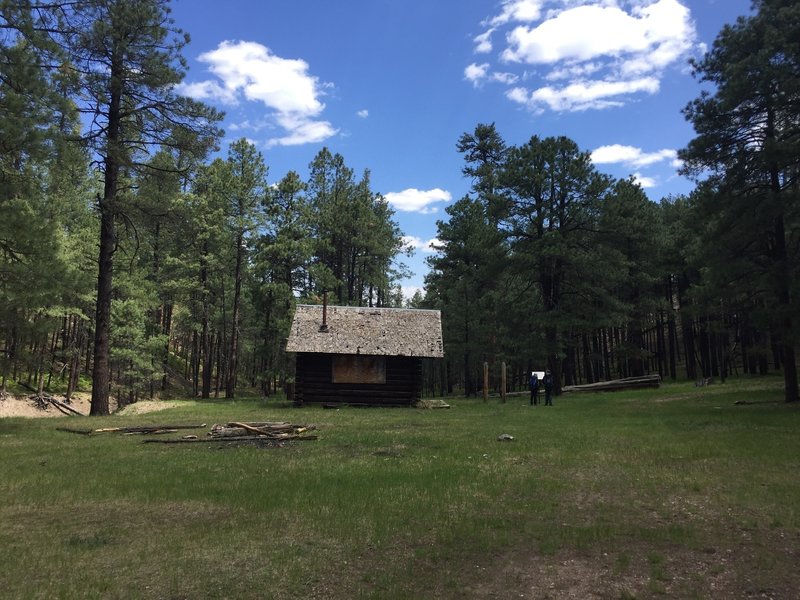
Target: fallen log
point(250, 428)
point(263, 424)
point(64, 407)
point(234, 440)
point(235, 429)
point(267, 426)
point(626, 383)
point(63, 410)
point(153, 432)
point(70, 430)
point(144, 429)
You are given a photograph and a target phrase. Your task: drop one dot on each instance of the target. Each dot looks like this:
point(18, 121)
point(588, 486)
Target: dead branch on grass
point(266, 433)
point(142, 429)
point(247, 439)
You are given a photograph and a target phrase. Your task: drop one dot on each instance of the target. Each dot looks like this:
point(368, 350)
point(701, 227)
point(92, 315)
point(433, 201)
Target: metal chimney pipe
point(324, 326)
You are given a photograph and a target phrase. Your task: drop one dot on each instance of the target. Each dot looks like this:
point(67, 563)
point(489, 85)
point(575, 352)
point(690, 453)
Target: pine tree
point(123, 57)
point(554, 196)
point(748, 139)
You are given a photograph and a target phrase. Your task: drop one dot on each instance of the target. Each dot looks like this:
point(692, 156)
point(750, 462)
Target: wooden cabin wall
point(313, 384)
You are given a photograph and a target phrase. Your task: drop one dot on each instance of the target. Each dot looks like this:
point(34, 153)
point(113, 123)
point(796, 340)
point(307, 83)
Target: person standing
point(534, 383)
point(547, 382)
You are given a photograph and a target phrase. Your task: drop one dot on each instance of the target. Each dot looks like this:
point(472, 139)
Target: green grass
point(676, 492)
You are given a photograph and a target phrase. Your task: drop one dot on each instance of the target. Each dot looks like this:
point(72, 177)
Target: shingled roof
point(371, 331)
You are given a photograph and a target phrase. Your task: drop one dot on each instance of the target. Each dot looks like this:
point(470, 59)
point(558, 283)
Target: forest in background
point(133, 256)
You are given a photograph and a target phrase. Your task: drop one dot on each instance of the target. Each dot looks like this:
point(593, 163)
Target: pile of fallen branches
point(43, 400)
point(270, 432)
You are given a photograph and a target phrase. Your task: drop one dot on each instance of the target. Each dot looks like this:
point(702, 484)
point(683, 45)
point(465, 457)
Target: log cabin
point(359, 355)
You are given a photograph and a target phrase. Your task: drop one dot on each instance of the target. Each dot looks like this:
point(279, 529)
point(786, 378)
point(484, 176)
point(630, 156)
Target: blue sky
point(392, 84)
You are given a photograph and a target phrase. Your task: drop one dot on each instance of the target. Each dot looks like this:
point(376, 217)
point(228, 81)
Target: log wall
point(313, 383)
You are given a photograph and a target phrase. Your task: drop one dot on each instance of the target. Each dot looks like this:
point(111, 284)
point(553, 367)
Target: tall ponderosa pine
point(157, 209)
point(631, 244)
point(554, 196)
point(244, 186)
point(484, 153)
point(280, 259)
point(456, 284)
point(44, 215)
point(748, 138)
point(205, 262)
point(124, 57)
point(356, 238)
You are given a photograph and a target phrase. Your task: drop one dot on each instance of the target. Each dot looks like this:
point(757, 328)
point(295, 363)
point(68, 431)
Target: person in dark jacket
point(534, 383)
point(547, 382)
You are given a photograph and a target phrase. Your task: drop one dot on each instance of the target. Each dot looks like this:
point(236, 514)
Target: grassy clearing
point(674, 492)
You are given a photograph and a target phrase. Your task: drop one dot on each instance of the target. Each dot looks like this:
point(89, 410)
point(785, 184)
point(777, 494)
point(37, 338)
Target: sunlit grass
point(399, 502)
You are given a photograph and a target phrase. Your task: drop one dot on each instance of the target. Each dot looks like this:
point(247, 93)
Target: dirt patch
point(640, 570)
point(148, 406)
point(25, 406)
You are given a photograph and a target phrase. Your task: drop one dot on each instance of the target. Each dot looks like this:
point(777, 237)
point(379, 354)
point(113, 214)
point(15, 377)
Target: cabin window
point(359, 369)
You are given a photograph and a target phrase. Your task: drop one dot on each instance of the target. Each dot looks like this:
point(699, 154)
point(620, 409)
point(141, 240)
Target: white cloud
point(413, 242)
point(364, 113)
point(524, 11)
point(574, 71)
point(632, 156)
point(301, 130)
point(414, 200)
point(483, 42)
point(518, 95)
point(408, 291)
point(475, 73)
point(607, 51)
point(434, 245)
point(478, 73)
point(507, 78)
point(518, 10)
point(250, 71)
point(653, 36)
point(645, 182)
point(248, 125)
point(208, 90)
point(582, 95)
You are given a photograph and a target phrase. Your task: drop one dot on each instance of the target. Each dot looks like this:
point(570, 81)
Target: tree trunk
point(671, 334)
point(233, 355)
point(587, 359)
point(661, 344)
point(195, 361)
point(101, 374)
point(784, 276)
point(205, 340)
point(784, 300)
point(687, 328)
point(218, 343)
point(265, 348)
point(166, 330)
